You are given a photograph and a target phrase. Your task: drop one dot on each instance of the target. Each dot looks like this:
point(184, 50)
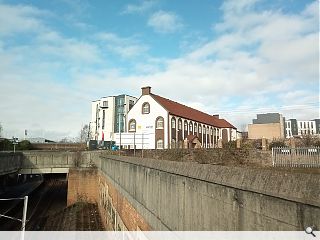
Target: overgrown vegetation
point(7, 145)
point(277, 144)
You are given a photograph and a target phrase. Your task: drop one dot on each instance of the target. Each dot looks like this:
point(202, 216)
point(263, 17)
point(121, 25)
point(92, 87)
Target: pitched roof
point(181, 110)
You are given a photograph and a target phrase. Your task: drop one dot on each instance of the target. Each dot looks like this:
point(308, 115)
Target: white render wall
point(109, 120)
point(306, 127)
point(145, 123)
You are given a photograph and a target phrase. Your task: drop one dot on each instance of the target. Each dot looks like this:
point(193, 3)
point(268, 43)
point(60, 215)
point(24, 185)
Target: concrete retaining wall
point(37, 162)
point(10, 162)
point(190, 196)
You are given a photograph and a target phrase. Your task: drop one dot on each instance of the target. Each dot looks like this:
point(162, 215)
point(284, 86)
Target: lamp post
point(123, 105)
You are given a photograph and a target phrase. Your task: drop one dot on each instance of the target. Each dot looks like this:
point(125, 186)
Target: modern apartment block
point(269, 126)
point(108, 116)
point(295, 127)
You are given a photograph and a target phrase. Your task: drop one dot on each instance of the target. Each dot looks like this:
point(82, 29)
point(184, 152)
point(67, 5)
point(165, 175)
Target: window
point(159, 144)
point(103, 118)
point(204, 130)
point(179, 124)
point(132, 125)
point(105, 104)
point(159, 123)
point(131, 103)
point(190, 126)
point(195, 127)
point(145, 108)
point(199, 128)
point(173, 123)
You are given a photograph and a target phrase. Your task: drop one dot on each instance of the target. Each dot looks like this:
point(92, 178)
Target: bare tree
point(85, 134)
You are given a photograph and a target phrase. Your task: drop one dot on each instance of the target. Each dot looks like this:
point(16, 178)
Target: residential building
point(296, 127)
point(155, 122)
point(108, 116)
point(269, 126)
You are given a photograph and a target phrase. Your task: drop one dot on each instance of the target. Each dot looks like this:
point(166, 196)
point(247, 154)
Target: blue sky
point(233, 58)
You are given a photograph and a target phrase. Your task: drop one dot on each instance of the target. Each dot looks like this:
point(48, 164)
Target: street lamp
point(123, 114)
point(14, 142)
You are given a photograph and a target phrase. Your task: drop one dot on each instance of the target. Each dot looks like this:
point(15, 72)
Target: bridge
point(43, 162)
point(148, 194)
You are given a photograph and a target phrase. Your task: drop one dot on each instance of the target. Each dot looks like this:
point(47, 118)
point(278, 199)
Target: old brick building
point(164, 123)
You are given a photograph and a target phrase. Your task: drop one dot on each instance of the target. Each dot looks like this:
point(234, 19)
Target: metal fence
point(296, 157)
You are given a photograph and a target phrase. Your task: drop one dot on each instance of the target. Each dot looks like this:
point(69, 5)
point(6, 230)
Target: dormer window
point(145, 108)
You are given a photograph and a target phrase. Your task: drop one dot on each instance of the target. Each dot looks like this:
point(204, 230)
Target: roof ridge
point(183, 105)
point(195, 114)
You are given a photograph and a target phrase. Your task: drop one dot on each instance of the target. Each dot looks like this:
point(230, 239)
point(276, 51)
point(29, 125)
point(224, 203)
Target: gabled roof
point(181, 110)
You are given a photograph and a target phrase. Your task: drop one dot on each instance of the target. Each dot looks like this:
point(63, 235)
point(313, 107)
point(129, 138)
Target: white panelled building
point(108, 116)
point(295, 127)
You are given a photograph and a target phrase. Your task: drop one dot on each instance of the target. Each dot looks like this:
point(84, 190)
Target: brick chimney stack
point(146, 90)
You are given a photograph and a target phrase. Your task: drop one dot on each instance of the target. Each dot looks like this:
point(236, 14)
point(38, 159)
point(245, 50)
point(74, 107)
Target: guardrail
point(308, 157)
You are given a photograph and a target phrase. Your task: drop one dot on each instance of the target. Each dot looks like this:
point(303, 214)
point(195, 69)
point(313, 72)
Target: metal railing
point(308, 157)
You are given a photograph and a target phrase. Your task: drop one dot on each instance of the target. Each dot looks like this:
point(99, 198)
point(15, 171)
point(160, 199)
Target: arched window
point(185, 125)
point(190, 126)
point(173, 123)
point(132, 125)
point(159, 123)
point(204, 130)
point(199, 128)
point(179, 124)
point(195, 128)
point(159, 144)
point(145, 108)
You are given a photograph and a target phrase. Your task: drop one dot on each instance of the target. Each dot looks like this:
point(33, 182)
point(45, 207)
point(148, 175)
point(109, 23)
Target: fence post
point(272, 156)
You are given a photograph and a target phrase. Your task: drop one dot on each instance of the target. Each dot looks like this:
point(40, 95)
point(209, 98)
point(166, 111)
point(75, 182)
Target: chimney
point(216, 116)
point(146, 90)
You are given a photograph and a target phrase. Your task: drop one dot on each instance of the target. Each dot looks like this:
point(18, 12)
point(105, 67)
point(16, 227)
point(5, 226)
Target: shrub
point(24, 145)
point(276, 144)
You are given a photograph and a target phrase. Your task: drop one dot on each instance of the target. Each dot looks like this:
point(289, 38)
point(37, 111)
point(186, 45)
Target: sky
point(235, 58)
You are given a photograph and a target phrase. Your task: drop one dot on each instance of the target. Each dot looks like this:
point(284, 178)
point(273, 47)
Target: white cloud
point(125, 47)
point(261, 61)
point(165, 22)
point(19, 18)
point(139, 8)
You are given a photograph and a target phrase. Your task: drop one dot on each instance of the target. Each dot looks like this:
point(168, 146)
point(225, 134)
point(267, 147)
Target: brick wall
point(117, 213)
point(127, 217)
point(82, 186)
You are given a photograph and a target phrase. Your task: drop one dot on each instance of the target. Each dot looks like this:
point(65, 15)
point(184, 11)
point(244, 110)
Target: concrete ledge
point(298, 187)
